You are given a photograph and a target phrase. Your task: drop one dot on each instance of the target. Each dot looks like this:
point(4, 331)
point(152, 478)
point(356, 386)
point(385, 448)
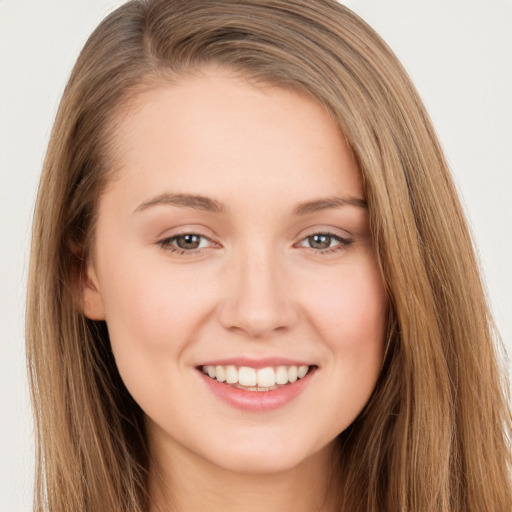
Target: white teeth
point(266, 377)
point(231, 375)
point(301, 372)
point(282, 375)
point(263, 379)
point(220, 373)
point(246, 376)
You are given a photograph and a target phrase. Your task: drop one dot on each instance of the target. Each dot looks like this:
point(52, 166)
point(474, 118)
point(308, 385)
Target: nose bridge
point(259, 301)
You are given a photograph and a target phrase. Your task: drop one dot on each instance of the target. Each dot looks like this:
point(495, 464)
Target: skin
point(256, 287)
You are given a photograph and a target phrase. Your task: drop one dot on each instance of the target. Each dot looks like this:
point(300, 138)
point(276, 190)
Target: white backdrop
point(458, 52)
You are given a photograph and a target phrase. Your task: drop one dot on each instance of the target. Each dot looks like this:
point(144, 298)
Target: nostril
point(257, 322)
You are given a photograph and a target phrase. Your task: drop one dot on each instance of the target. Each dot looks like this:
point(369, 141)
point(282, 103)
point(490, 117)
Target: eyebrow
point(187, 200)
point(328, 203)
point(198, 202)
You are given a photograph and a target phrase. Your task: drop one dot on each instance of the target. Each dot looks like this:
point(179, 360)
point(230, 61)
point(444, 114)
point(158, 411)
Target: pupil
point(188, 241)
point(320, 241)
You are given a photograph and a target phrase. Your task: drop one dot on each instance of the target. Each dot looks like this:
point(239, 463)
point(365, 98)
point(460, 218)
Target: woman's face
point(235, 240)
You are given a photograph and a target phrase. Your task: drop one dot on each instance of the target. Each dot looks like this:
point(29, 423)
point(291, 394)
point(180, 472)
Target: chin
point(263, 456)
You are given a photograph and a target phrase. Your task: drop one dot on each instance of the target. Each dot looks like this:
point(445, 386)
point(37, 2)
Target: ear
point(92, 300)
point(85, 284)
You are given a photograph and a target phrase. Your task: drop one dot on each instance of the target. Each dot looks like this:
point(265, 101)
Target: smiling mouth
point(251, 379)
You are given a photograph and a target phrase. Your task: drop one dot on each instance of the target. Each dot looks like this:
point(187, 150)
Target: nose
point(259, 301)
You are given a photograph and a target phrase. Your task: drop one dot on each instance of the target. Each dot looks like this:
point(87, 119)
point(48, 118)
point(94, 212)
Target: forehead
point(215, 133)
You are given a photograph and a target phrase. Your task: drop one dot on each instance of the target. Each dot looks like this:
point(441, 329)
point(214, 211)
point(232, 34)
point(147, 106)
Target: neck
point(186, 482)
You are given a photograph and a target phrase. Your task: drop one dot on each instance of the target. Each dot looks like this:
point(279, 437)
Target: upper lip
point(256, 362)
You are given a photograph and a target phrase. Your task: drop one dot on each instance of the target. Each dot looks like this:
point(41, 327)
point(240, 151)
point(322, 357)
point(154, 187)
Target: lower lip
point(258, 400)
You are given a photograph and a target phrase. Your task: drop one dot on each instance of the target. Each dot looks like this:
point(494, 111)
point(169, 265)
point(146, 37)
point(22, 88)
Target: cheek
point(150, 300)
point(350, 308)
point(351, 314)
point(152, 315)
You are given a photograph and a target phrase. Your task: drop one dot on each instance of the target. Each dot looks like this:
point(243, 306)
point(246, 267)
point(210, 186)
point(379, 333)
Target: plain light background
point(458, 53)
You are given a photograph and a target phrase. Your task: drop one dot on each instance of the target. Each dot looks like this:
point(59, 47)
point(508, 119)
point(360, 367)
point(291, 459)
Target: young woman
point(252, 286)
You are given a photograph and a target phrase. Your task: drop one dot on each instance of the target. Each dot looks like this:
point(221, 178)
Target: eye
point(185, 242)
point(325, 242)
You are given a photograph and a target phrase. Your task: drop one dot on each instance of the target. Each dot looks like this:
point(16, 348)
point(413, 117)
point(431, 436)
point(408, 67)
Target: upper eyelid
point(200, 230)
point(325, 230)
point(184, 233)
point(343, 241)
point(329, 234)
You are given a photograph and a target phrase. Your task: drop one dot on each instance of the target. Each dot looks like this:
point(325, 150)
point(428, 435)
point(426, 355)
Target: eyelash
point(166, 244)
point(343, 243)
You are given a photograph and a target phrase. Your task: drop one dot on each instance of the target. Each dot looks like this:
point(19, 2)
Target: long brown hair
point(434, 436)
